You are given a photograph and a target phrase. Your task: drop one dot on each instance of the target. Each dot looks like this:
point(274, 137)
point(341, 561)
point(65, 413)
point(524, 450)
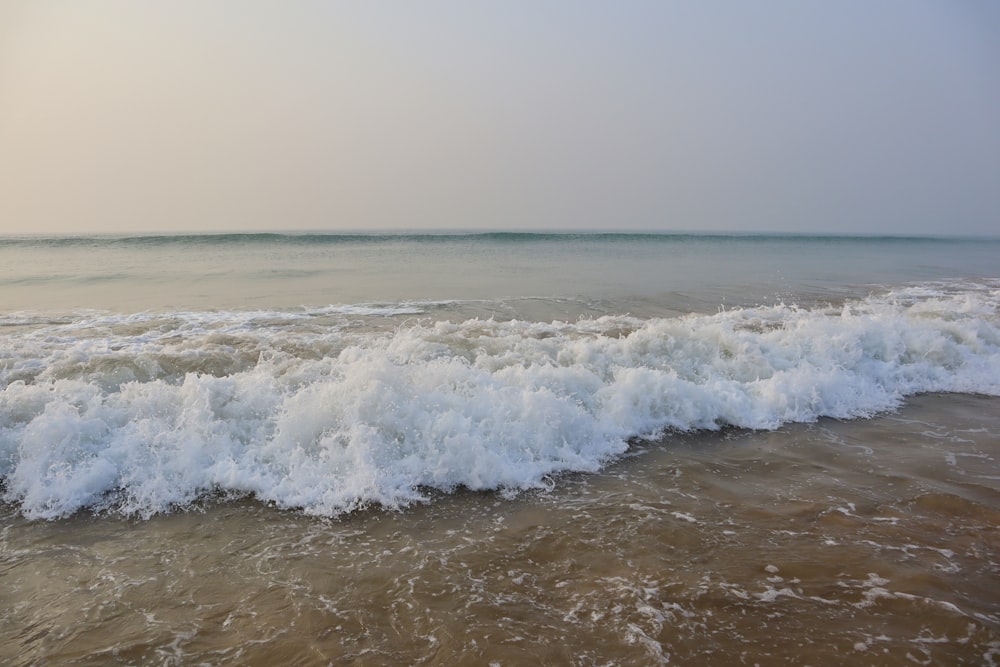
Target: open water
point(499, 448)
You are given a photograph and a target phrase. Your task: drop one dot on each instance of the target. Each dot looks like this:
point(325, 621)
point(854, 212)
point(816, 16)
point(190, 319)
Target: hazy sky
point(879, 116)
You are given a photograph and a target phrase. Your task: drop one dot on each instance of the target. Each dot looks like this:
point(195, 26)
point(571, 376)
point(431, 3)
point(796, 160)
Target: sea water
point(465, 447)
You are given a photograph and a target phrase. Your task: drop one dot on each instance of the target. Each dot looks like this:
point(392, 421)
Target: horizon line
point(466, 233)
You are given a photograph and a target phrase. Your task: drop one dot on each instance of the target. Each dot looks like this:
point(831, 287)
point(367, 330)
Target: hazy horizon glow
point(791, 117)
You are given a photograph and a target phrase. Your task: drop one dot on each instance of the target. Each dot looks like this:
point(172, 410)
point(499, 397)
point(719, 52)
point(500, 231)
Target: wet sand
point(872, 542)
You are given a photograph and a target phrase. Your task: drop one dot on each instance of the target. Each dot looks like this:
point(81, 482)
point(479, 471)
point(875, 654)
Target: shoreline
point(837, 540)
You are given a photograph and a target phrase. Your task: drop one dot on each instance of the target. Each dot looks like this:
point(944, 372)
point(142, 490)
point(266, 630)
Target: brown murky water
point(873, 542)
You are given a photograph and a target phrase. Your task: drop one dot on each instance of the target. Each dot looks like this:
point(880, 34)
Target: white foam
point(140, 414)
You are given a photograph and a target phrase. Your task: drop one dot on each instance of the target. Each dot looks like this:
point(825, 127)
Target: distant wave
point(335, 238)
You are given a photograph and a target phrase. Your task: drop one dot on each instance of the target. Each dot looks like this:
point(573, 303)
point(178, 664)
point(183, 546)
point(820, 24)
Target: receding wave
point(147, 413)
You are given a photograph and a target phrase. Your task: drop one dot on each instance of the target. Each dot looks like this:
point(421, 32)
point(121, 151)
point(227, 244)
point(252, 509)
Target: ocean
point(499, 448)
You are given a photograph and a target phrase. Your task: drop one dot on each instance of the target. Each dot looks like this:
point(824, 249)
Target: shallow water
point(865, 542)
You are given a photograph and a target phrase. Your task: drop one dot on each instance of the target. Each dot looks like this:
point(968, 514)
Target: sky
point(859, 116)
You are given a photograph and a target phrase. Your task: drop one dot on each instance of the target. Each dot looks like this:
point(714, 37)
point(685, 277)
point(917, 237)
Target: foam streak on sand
point(141, 415)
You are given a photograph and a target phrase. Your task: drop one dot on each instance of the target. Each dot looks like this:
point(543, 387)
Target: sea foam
point(144, 413)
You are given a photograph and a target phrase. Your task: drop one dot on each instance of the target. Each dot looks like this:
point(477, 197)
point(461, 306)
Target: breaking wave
point(142, 414)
